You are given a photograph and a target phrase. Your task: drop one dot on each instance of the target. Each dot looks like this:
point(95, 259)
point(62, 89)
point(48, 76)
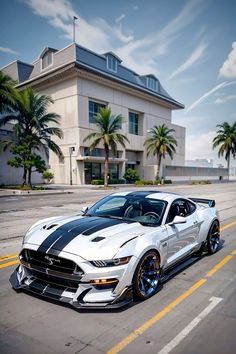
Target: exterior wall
point(121, 103)
point(65, 104)
point(185, 173)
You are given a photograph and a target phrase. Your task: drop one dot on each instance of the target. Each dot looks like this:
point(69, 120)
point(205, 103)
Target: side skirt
point(179, 266)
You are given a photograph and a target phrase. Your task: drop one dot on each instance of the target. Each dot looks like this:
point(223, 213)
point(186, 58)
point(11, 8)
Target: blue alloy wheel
point(213, 238)
point(146, 276)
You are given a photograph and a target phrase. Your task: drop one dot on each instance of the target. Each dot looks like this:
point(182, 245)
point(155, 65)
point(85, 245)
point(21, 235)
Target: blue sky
point(189, 45)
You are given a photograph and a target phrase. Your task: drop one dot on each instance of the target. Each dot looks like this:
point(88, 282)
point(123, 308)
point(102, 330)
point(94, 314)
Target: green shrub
point(131, 175)
point(167, 181)
point(201, 182)
point(116, 181)
point(48, 176)
point(143, 182)
point(97, 182)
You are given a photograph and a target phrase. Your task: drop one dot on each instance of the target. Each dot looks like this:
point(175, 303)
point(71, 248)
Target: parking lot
point(194, 312)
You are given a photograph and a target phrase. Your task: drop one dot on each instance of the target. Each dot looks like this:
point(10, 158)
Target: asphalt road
point(194, 312)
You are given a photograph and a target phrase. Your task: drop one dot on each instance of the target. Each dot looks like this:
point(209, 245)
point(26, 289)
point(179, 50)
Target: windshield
point(147, 211)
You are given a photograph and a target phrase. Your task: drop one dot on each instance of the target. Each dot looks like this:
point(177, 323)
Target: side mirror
point(84, 210)
point(178, 220)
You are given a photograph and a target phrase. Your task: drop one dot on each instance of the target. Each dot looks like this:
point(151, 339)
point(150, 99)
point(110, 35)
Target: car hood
point(92, 238)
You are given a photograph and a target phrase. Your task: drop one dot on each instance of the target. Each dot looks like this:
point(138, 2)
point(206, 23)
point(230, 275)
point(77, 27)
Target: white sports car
point(121, 247)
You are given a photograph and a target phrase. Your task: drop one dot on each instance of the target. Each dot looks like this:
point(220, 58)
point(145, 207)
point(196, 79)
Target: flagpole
point(74, 19)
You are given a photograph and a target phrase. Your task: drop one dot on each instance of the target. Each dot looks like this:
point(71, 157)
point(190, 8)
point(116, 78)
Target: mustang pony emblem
point(52, 260)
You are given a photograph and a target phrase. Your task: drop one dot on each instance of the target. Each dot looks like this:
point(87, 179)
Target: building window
point(94, 108)
point(96, 152)
point(111, 63)
point(152, 83)
point(133, 123)
point(95, 170)
point(47, 60)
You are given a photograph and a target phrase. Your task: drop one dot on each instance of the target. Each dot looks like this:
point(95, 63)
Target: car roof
point(169, 197)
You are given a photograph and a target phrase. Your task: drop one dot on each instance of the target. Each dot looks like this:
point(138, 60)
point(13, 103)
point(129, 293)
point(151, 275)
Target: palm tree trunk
point(106, 165)
point(158, 166)
point(228, 164)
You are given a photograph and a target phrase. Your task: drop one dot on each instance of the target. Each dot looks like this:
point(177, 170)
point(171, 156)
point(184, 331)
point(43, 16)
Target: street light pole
point(71, 149)
point(74, 19)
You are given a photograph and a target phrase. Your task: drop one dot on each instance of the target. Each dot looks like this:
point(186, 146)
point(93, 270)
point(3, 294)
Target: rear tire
point(146, 277)
point(213, 238)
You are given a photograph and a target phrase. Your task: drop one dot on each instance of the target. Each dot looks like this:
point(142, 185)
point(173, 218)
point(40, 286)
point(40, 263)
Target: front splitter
point(56, 293)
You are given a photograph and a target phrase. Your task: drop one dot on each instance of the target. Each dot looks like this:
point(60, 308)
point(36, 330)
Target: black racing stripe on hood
point(61, 237)
point(66, 238)
point(79, 224)
point(102, 226)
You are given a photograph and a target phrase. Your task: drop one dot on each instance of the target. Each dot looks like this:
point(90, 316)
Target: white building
point(80, 82)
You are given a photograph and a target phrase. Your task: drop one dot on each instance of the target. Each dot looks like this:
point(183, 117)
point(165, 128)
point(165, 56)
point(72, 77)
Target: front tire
point(146, 276)
point(213, 238)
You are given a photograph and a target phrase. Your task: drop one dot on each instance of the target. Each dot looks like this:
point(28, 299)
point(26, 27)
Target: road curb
point(16, 194)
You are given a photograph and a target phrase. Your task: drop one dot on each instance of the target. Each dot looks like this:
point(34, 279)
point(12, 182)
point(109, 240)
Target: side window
point(174, 210)
point(191, 207)
point(179, 207)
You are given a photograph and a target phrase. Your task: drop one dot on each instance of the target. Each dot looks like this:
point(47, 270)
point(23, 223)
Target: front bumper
point(22, 279)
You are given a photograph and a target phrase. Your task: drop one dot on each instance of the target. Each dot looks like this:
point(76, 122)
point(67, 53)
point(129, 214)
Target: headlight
point(111, 262)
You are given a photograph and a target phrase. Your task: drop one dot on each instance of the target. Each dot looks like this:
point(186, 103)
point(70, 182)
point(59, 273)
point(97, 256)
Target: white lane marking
point(175, 341)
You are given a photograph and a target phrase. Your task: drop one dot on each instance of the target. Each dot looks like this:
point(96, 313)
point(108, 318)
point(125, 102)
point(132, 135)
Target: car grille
point(52, 269)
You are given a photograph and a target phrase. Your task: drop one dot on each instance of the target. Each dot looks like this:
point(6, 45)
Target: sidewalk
point(17, 192)
point(67, 189)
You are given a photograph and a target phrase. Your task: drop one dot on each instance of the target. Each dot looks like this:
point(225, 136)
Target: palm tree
point(161, 143)
point(226, 141)
point(6, 92)
point(108, 127)
point(32, 126)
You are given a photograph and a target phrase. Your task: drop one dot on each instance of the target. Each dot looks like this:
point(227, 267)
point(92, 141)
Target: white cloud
point(100, 36)
point(225, 99)
point(228, 69)
point(191, 60)
point(8, 50)
point(96, 34)
point(120, 18)
point(207, 94)
point(200, 146)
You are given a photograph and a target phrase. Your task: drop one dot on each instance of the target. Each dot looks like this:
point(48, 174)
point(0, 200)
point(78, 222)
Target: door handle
point(195, 222)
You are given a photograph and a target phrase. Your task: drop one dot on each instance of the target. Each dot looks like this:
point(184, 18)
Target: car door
point(182, 238)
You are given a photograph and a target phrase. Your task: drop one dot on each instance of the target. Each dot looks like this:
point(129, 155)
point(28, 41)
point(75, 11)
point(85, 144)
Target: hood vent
point(50, 226)
point(98, 238)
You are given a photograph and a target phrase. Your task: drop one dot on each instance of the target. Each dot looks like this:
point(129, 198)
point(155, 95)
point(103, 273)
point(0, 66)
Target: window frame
point(152, 83)
point(189, 212)
point(132, 124)
point(41, 61)
point(112, 60)
point(101, 104)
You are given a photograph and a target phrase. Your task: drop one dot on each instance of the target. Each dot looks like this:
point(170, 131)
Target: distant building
point(199, 163)
point(81, 82)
